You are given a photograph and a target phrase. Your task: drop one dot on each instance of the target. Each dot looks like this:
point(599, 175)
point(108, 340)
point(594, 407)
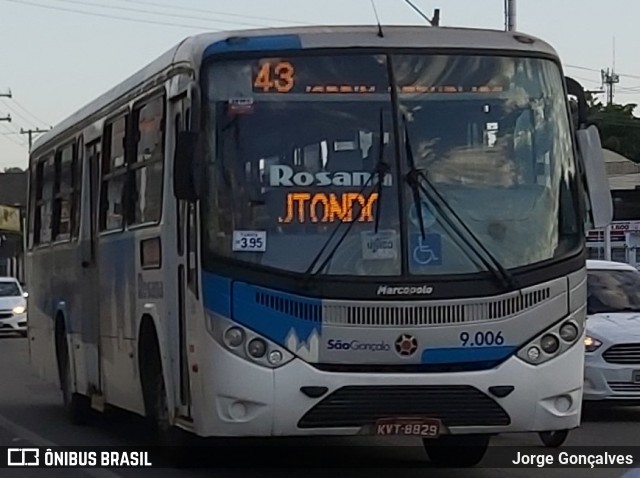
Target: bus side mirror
point(184, 184)
point(578, 104)
point(590, 150)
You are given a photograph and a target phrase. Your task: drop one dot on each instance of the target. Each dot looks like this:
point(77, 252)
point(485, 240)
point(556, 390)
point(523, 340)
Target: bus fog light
point(569, 332)
point(550, 343)
point(563, 403)
point(237, 410)
point(234, 336)
point(275, 357)
point(533, 353)
point(257, 348)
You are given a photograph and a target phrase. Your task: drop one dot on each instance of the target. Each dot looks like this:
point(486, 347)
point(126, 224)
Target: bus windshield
point(293, 144)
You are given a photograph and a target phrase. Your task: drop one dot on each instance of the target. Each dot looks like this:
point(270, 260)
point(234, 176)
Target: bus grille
point(623, 354)
point(402, 315)
point(6, 315)
point(356, 406)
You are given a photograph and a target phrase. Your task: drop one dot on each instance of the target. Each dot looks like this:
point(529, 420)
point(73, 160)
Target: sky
point(58, 55)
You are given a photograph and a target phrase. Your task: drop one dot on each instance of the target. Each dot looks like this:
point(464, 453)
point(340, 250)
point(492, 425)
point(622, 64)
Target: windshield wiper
point(419, 182)
point(380, 171)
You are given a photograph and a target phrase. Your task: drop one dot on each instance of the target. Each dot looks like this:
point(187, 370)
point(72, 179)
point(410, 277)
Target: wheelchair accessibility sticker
point(427, 251)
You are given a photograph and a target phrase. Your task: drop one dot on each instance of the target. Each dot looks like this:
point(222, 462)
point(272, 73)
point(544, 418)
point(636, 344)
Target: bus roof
point(192, 49)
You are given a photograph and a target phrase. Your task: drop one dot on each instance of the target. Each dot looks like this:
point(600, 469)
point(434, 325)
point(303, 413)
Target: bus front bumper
point(243, 399)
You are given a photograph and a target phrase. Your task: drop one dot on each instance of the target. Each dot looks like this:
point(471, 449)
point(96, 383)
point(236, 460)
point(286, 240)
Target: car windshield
point(9, 289)
point(293, 142)
point(613, 291)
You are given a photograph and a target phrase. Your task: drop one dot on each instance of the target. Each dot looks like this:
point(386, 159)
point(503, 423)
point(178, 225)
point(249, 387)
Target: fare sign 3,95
point(415, 427)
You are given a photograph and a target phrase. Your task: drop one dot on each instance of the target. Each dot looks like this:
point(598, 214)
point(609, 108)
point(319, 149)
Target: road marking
point(38, 440)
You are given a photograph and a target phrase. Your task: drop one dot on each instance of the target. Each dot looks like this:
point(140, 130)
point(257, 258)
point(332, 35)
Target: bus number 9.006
point(480, 339)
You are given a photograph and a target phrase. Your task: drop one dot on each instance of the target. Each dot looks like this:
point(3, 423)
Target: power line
point(161, 14)
point(10, 138)
point(26, 111)
point(105, 15)
point(626, 75)
point(582, 68)
point(8, 106)
point(203, 10)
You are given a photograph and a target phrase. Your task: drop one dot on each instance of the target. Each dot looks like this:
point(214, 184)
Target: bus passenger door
point(185, 223)
point(90, 280)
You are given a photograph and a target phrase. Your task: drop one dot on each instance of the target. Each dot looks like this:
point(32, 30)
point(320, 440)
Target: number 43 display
point(249, 241)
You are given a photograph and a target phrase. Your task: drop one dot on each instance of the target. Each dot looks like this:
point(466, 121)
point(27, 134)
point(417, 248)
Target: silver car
point(612, 343)
point(13, 307)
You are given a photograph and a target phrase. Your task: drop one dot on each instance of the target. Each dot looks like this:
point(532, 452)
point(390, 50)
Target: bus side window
point(64, 187)
point(113, 175)
point(147, 163)
point(43, 201)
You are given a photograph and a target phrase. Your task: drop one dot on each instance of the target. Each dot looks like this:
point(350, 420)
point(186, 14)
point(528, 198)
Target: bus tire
point(154, 390)
point(456, 450)
point(553, 439)
point(77, 406)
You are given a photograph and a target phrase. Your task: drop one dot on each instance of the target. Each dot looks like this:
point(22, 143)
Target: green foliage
point(619, 128)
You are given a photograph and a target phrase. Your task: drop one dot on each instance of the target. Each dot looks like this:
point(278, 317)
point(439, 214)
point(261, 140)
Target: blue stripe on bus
point(216, 293)
point(263, 43)
point(278, 316)
point(466, 354)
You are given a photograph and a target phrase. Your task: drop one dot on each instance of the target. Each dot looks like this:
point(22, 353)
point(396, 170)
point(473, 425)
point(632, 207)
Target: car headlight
point(245, 343)
point(19, 309)
point(551, 342)
point(591, 344)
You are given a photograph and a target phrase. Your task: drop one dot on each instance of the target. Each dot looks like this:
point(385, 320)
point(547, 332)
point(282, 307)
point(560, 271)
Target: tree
point(619, 128)
point(12, 170)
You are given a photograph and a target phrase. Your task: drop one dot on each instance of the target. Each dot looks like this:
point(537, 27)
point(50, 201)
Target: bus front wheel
point(155, 395)
point(457, 450)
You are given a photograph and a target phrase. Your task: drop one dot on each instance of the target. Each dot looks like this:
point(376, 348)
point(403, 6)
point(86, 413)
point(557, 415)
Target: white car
point(612, 342)
point(13, 307)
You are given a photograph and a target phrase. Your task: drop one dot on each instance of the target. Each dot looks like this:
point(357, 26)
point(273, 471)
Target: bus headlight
point(234, 337)
point(549, 343)
point(257, 348)
point(19, 309)
point(245, 343)
point(552, 342)
point(275, 357)
point(568, 332)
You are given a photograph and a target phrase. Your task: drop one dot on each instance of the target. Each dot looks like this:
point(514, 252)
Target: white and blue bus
point(322, 231)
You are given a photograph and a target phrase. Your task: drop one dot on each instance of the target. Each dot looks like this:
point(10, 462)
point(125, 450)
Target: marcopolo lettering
point(282, 175)
point(405, 290)
point(356, 345)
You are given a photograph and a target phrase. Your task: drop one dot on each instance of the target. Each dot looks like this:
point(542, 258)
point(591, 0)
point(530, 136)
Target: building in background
point(624, 232)
point(13, 201)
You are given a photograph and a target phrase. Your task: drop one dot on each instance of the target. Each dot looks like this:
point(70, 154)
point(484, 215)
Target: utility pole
point(610, 77)
point(31, 132)
point(510, 15)
point(6, 95)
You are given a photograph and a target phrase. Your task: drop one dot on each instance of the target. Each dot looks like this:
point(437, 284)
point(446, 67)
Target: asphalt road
point(31, 414)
